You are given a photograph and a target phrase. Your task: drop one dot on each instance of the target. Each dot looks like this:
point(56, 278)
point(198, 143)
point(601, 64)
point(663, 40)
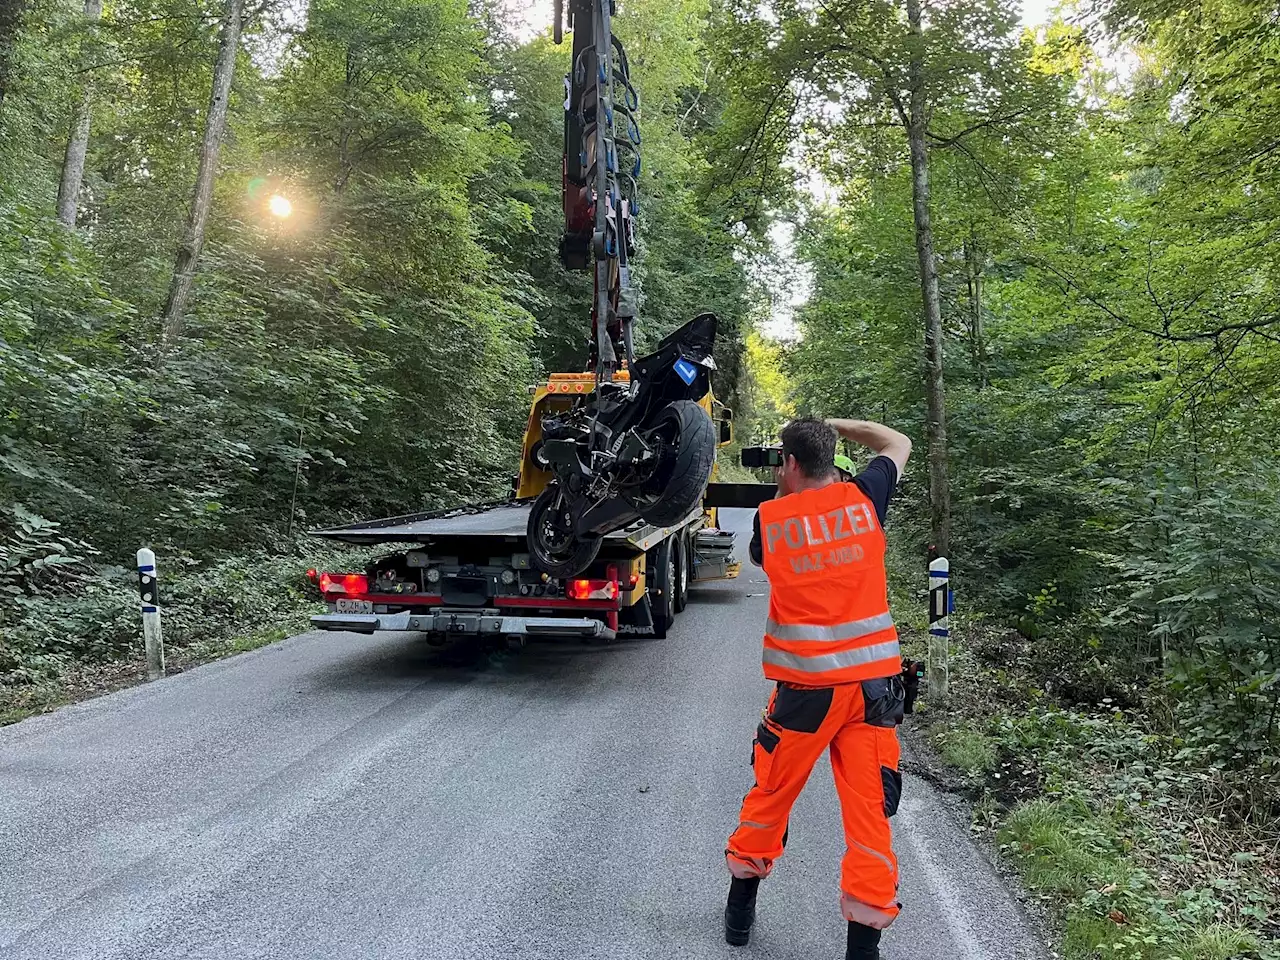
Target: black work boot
point(740, 911)
point(864, 942)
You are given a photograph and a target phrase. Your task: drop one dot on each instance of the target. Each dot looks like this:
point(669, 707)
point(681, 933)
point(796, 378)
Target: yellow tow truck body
point(556, 395)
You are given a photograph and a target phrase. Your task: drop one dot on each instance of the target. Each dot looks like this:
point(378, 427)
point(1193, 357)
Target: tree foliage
point(367, 354)
point(1104, 228)
point(1106, 252)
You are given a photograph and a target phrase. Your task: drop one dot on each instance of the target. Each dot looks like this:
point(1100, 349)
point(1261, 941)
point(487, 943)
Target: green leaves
point(367, 354)
point(1107, 265)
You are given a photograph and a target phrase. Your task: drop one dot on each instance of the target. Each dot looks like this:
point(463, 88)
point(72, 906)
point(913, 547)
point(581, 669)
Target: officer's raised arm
point(885, 441)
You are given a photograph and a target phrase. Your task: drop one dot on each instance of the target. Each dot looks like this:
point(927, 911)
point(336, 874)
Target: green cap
point(844, 463)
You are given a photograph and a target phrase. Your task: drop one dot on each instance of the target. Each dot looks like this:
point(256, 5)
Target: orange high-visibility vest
point(829, 620)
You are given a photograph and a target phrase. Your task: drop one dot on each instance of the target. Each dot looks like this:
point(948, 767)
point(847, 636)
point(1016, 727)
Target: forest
point(367, 354)
point(266, 264)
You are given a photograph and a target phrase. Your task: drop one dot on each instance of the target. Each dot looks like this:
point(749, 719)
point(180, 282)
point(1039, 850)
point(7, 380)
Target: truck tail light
point(592, 590)
point(348, 584)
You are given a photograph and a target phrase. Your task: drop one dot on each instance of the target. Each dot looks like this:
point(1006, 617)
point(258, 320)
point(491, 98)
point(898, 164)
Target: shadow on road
point(407, 659)
point(714, 597)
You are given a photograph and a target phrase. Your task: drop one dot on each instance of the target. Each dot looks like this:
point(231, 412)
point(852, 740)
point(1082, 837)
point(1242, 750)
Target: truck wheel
point(689, 432)
point(662, 587)
point(552, 545)
point(684, 571)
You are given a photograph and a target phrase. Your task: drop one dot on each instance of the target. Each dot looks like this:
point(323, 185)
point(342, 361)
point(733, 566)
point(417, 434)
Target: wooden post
point(149, 594)
point(939, 628)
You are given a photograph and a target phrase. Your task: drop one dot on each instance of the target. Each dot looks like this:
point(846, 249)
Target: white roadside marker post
point(939, 627)
point(149, 595)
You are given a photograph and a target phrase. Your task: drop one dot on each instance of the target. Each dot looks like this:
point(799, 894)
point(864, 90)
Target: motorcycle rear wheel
point(682, 480)
point(552, 545)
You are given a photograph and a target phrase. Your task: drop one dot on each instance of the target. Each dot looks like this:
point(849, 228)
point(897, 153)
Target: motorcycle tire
point(690, 469)
point(560, 556)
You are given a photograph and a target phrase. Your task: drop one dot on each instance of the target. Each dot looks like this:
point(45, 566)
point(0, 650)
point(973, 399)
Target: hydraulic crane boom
point(640, 446)
point(601, 170)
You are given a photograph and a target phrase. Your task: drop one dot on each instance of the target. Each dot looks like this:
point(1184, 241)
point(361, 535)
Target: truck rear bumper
point(469, 621)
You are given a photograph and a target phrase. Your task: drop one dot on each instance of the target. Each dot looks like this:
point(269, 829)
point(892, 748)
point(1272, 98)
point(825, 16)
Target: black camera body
point(758, 458)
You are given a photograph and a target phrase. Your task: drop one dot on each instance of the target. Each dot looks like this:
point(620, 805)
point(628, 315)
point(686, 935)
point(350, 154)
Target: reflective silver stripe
point(833, 634)
point(877, 854)
point(758, 826)
point(822, 662)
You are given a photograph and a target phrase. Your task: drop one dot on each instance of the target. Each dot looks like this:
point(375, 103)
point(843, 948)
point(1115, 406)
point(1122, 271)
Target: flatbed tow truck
point(468, 571)
point(613, 512)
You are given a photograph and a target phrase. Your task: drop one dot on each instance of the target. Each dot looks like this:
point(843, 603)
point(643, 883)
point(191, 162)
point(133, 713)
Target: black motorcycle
point(628, 451)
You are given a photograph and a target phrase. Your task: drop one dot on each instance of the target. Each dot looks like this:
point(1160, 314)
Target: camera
point(757, 458)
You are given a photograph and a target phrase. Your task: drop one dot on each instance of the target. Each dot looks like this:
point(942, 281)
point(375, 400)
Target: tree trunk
point(345, 166)
point(184, 269)
point(10, 23)
point(939, 490)
point(977, 340)
point(78, 142)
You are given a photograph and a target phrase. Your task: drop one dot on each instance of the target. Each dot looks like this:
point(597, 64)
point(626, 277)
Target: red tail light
point(592, 590)
point(350, 584)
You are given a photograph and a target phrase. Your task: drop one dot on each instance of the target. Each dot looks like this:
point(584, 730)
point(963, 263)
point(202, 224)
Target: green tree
point(876, 86)
point(369, 352)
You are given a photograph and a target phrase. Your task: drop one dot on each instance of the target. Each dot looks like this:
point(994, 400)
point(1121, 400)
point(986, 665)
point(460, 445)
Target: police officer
point(831, 646)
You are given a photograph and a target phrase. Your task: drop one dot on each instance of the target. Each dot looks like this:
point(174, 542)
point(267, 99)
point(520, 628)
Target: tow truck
point(468, 570)
point(613, 512)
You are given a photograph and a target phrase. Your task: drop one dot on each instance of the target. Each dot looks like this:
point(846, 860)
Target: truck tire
point(684, 570)
point(662, 587)
point(555, 550)
point(685, 479)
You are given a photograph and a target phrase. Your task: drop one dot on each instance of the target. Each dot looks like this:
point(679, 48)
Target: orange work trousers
point(858, 722)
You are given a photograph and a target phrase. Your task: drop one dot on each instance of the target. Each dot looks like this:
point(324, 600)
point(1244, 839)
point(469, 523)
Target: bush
point(58, 608)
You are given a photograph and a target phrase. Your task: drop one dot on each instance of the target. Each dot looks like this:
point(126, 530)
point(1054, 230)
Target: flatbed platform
point(507, 519)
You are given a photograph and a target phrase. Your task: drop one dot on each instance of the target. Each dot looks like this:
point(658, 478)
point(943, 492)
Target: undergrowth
point(1145, 841)
point(70, 627)
point(1146, 846)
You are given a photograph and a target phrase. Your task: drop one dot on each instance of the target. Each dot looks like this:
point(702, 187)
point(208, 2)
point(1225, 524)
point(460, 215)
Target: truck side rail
point(505, 519)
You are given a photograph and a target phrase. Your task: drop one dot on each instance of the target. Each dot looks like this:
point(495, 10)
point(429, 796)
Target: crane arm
point(601, 170)
point(640, 447)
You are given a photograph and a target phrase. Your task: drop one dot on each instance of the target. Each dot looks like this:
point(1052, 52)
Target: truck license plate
point(354, 606)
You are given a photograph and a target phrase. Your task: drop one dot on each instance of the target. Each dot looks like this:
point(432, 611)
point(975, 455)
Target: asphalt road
point(340, 796)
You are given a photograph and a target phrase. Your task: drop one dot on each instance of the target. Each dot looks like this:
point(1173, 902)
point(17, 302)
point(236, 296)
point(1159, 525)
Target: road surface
point(341, 796)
